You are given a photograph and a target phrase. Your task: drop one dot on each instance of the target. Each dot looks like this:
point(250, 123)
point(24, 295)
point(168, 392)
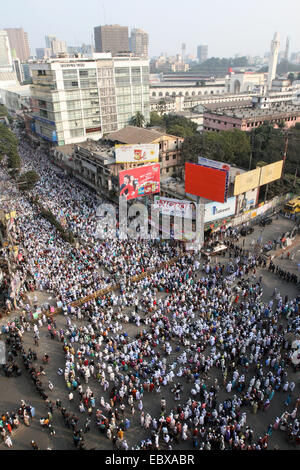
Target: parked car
point(265, 221)
point(246, 230)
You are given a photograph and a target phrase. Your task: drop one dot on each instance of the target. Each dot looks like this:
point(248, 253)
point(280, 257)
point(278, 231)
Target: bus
point(293, 206)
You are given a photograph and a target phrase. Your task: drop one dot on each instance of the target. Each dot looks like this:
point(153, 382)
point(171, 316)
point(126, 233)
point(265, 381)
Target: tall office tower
point(275, 44)
point(202, 53)
point(139, 41)
point(18, 40)
point(78, 98)
point(48, 40)
point(111, 38)
point(183, 52)
point(55, 45)
point(6, 62)
point(43, 53)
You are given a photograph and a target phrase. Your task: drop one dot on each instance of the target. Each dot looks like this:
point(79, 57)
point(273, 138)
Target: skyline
point(182, 26)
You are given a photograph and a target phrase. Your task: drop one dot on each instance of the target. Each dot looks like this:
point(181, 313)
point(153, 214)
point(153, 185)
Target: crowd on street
point(202, 332)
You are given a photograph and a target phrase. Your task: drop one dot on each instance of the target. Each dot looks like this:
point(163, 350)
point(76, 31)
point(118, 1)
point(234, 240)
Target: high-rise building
point(111, 38)
point(55, 45)
point(27, 70)
point(183, 53)
point(6, 63)
point(43, 53)
point(202, 53)
point(139, 41)
point(78, 98)
point(18, 40)
point(275, 44)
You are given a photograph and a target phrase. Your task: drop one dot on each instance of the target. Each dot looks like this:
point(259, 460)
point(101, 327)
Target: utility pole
point(295, 178)
point(285, 149)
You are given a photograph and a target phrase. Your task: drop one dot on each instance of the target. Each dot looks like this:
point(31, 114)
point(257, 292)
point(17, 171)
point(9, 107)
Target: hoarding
point(247, 200)
point(141, 181)
point(175, 207)
point(271, 172)
point(246, 181)
point(213, 163)
point(215, 210)
point(137, 153)
point(209, 183)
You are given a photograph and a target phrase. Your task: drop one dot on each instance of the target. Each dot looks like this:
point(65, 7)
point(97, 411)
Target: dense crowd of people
point(194, 334)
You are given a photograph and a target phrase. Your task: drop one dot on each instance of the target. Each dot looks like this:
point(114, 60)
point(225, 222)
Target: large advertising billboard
point(247, 200)
point(246, 181)
point(137, 153)
point(141, 181)
point(206, 182)
point(169, 206)
point(215, 210)
point(271, 172)
point(213, 163)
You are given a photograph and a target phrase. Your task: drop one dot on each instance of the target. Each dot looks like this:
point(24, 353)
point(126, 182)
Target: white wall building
point(77, 98)
point(244, 82)
point(6, 62)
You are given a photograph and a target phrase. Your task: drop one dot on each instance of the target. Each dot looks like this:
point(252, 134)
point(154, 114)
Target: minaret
point(275, 44)
point(287, 49)
point(183, 50)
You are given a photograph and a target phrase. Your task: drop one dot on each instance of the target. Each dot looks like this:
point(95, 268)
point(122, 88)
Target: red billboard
point(203, 181)
point(141, 181)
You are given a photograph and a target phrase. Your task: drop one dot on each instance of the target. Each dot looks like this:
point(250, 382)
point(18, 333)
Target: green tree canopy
point(28, 180)
point(137, 120)
point(176, 123)
point(156, 119)
point(226, 146)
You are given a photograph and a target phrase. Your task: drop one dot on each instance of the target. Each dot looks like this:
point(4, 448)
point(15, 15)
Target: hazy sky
point(227, 26)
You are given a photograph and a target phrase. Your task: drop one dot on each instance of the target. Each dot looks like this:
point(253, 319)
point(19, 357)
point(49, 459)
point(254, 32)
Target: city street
point(15, 389)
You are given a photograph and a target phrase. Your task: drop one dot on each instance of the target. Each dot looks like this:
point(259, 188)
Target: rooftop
point(98, 149)
point(134, 135)
point(257, 112)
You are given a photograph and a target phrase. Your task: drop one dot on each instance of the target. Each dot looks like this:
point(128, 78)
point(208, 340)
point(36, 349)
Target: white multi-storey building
point(78, 98)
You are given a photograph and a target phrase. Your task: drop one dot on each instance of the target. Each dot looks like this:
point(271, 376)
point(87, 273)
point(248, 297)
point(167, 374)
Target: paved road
point(15, 389)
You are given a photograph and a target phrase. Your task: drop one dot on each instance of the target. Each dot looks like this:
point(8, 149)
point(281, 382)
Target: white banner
point(137, 153)
point(177, 207)
point(217, 210)
point(213, 163)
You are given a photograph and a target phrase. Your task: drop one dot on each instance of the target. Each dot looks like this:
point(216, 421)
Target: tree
point(4, 112)
point(186, 128)
point(14, 160)
point(225, 146)
point(28, 180)
point(180, 131)
point(156, 119)
point(8, 141)
point(137, 120)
